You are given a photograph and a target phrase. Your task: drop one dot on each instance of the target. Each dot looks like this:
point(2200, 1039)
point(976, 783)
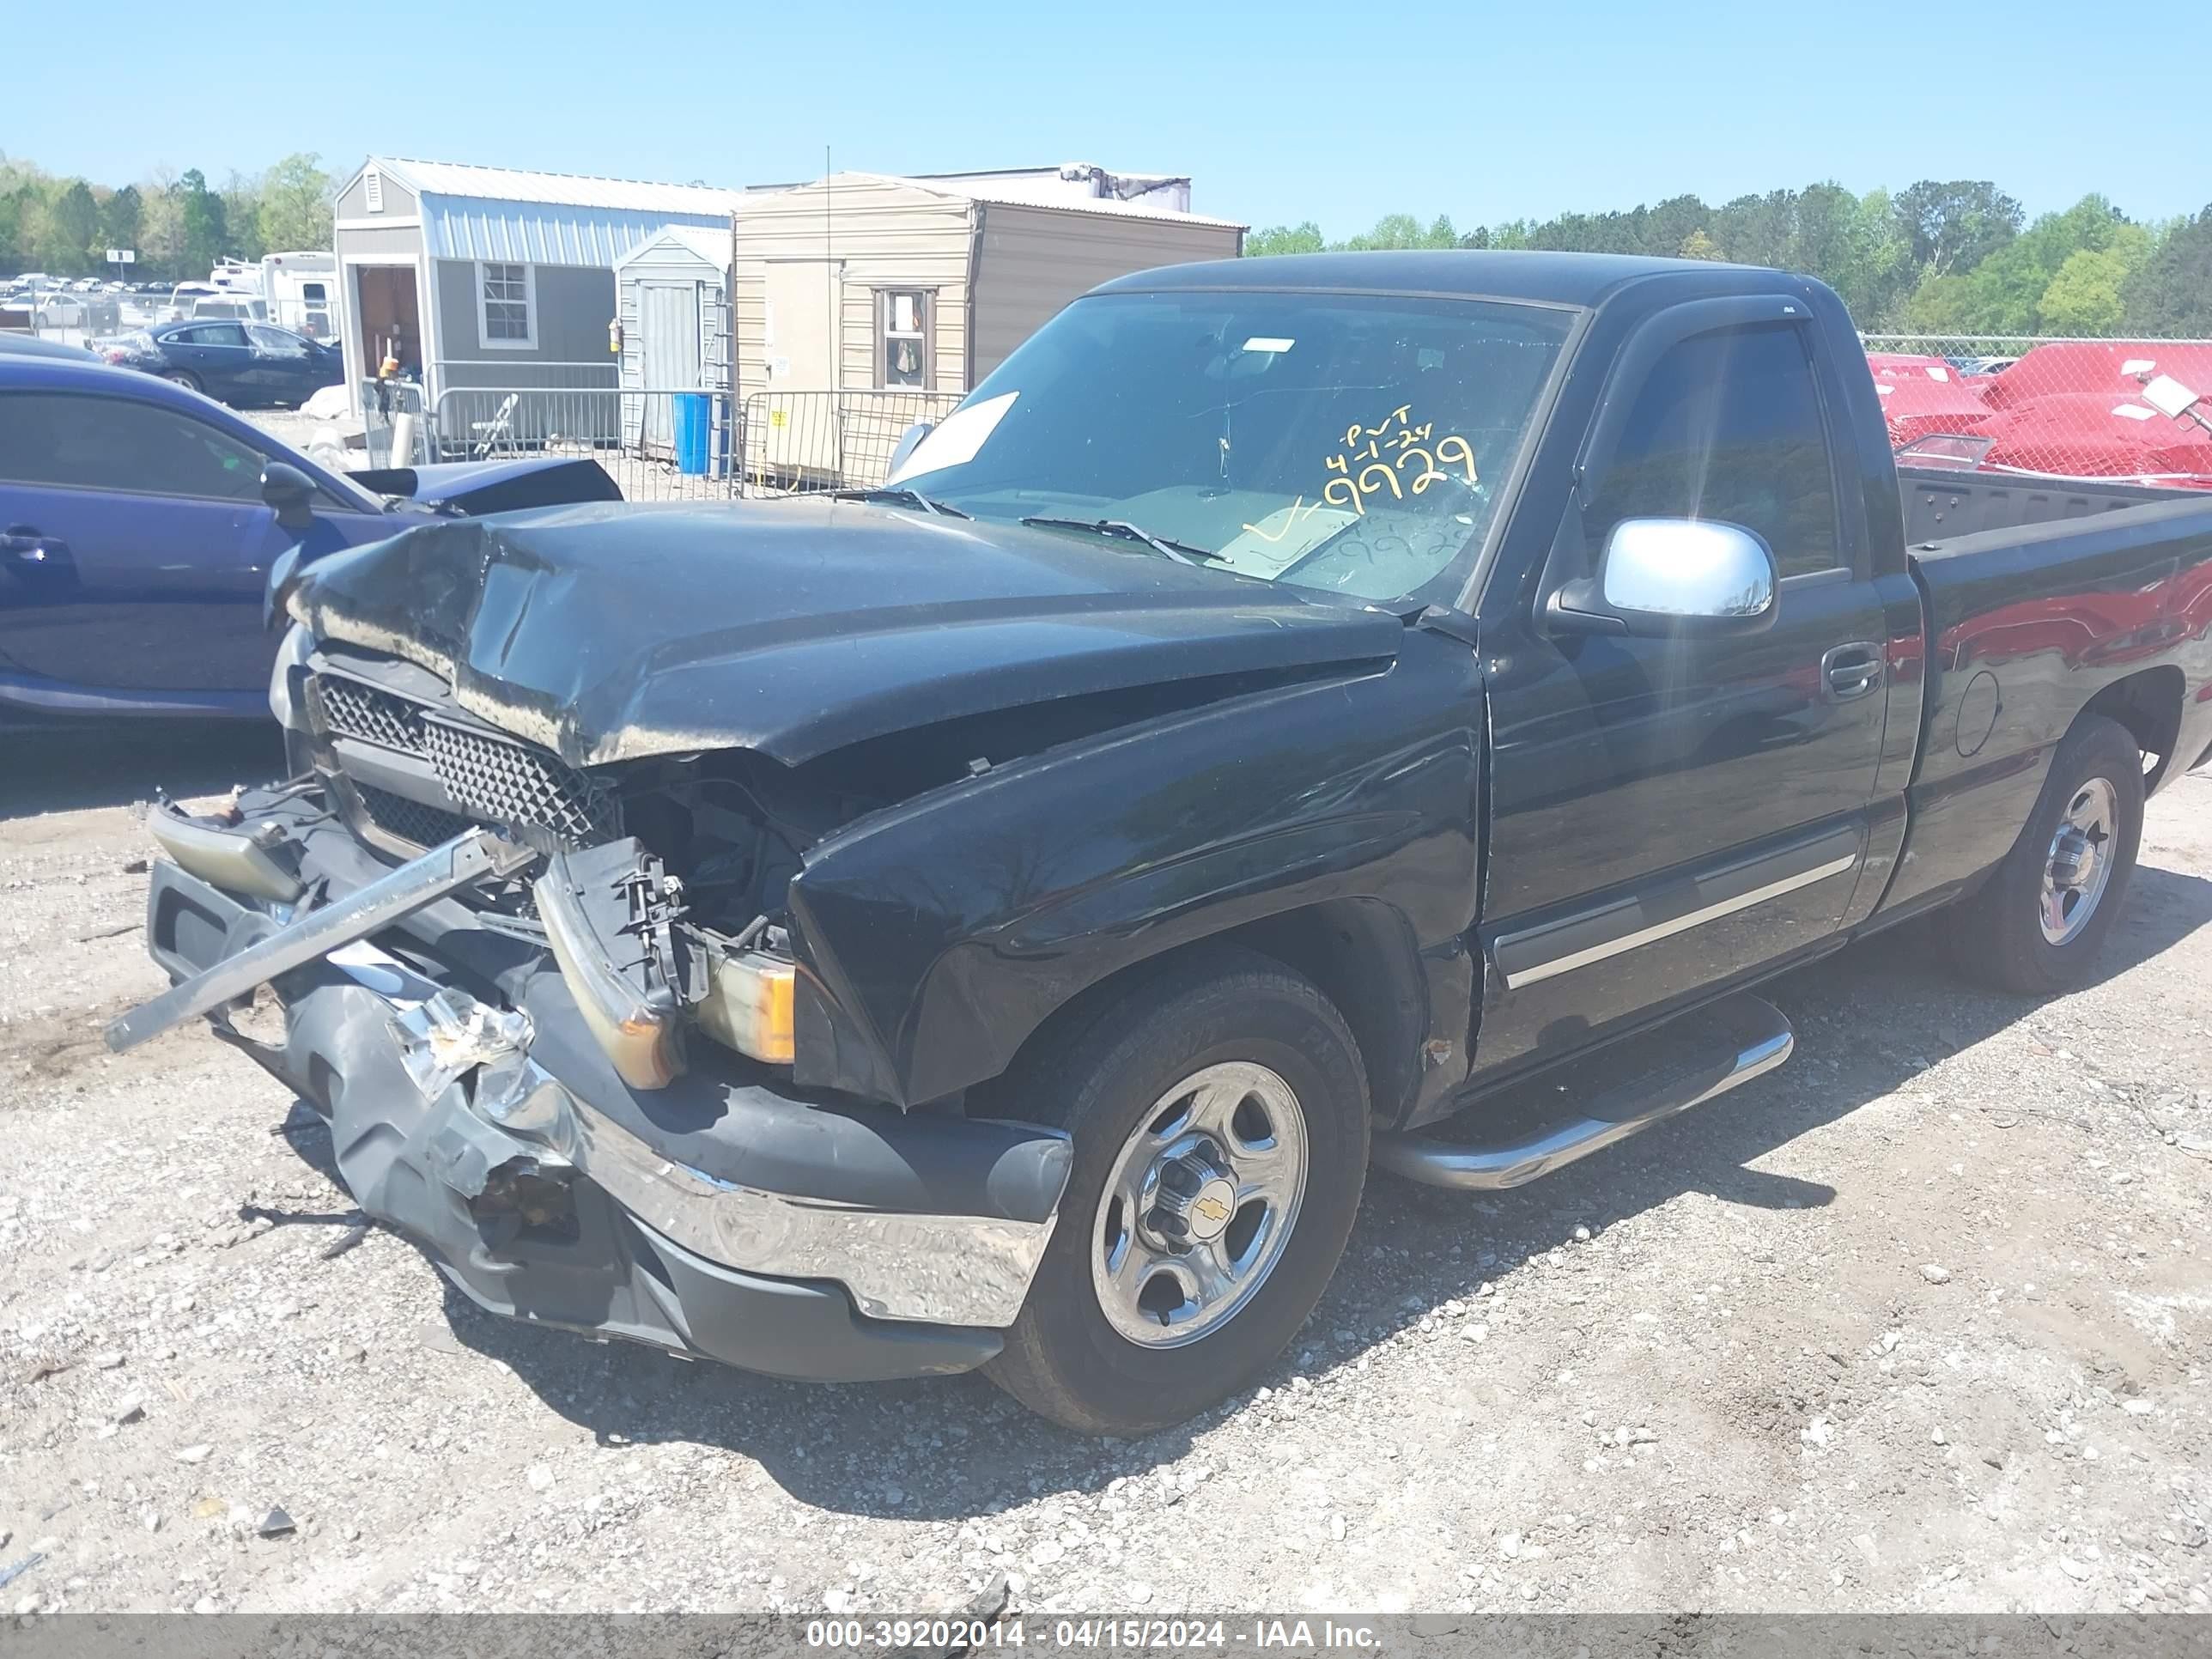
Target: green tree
point(204, 231)
point(72, 223)
point(121, 217)
point(1756, 230)
point(242, 217)
point(296, 206)
point(1698, 246)
point(2170, 292)
point(1956, 225)
point(2083, 295)
point(1305, 238)
point(161, 229)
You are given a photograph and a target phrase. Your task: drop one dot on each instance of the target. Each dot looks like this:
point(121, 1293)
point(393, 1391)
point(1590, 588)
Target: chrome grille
point(498, 781)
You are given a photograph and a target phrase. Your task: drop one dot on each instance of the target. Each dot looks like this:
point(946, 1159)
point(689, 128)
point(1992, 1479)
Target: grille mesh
point(409, 820)
point(513, 783)
point(350, 710)
point(499, 781)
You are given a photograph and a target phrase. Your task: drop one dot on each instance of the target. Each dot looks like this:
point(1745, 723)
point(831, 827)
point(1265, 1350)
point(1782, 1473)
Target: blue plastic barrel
point(694, 416)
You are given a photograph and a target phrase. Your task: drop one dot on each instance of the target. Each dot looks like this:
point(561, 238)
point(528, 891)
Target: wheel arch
point(2148, 704)
point(1360, 953)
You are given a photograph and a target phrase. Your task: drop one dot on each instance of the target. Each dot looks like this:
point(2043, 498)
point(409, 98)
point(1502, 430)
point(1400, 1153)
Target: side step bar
point(1763, 1039)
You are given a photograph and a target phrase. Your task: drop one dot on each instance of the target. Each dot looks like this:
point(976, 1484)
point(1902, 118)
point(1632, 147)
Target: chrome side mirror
point(1674, 577)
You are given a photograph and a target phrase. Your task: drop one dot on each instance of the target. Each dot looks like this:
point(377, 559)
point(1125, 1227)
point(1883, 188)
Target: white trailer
point(301, 289)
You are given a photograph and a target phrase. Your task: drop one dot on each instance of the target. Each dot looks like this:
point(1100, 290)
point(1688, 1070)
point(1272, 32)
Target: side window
point(218, 334)
point(902, 336)
point(505, 309)
point(1728, 426)
point(115, 443)
point(276, 341)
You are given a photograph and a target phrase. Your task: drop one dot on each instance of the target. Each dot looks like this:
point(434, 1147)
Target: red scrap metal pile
point(2072, 409)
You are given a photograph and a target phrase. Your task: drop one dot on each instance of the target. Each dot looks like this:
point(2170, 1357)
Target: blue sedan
point(246, 365)
point(137, 524)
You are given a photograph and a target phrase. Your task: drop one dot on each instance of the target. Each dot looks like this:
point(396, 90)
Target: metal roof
point(558, 189)
point(547, 218)
point(1008, 195)
point(710, 243)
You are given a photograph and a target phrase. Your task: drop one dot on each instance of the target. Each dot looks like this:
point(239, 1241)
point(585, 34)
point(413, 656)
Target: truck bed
point(2041, 597)
point(1941, 502)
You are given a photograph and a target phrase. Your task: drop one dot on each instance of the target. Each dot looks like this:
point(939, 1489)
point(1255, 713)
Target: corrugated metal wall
point(1035, 260)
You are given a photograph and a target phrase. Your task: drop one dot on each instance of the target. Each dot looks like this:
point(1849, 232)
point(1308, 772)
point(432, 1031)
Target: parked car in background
point(138, 521)
point(244, 364)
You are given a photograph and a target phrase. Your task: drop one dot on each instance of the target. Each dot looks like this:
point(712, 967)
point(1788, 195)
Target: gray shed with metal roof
point(492, 278)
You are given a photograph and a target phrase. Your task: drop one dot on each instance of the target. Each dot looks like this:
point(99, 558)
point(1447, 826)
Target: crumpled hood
point(796, 626)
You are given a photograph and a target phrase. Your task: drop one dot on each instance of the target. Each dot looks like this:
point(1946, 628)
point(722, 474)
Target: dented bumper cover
point(724, 1217)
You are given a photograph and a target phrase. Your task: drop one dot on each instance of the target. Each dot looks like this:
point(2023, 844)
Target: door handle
point(1852, 671)
point(23, 545)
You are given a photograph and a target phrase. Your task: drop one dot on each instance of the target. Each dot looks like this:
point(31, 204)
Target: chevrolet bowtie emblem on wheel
point(1213, 1211)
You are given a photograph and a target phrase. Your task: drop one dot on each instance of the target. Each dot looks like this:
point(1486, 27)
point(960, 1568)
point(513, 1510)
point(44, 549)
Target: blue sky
point(1280, 111)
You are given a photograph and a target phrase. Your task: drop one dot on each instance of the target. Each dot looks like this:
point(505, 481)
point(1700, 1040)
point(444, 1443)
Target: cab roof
point(1571, 279)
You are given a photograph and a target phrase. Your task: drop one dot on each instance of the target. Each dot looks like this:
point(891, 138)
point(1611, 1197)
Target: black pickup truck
point(992, 920)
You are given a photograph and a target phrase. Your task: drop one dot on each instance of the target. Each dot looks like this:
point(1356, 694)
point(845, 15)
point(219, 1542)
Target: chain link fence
point(2065, 408)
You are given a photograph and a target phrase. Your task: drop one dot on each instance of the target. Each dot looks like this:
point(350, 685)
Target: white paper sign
point(957, 437)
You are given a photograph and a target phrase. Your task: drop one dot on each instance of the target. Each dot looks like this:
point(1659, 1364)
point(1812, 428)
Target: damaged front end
point(503, 1041)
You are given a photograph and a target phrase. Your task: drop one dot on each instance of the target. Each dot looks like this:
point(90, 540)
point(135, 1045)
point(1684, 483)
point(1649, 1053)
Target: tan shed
point(914, 288)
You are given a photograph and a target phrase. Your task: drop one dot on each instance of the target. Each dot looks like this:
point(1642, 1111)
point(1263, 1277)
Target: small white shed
point(672, 300)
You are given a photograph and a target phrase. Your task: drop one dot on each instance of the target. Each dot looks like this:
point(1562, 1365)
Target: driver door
point(1672, 811)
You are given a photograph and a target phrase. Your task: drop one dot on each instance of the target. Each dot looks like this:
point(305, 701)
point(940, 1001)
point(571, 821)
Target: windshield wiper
point(899, 494)
point(1180, 552)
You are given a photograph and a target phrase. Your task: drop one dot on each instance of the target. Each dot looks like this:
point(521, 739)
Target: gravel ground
point(1917, 1323)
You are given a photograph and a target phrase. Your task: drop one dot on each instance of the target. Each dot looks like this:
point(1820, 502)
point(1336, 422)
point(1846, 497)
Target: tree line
point(1955, 258)
point(179, 224)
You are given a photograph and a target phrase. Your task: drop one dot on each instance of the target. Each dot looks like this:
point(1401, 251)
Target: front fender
point(936, 937)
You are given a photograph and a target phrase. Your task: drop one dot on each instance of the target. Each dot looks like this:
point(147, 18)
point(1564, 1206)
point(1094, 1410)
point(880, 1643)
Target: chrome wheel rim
point(2079, 866)
point(1199, 1207)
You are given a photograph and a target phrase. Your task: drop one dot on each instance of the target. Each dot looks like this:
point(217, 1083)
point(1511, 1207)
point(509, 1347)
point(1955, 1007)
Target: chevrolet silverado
point(992, 920)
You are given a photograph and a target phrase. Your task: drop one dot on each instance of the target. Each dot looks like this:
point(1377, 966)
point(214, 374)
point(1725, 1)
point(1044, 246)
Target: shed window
point(507, 312)
point(902, 322)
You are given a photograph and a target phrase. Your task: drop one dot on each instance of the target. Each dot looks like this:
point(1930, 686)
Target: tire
point(2015, 935)
point(184, 378)
point(1279, 1064)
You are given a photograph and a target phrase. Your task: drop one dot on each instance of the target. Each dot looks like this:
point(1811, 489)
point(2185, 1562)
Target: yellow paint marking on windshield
point(1300, 508)
point(1355, 483)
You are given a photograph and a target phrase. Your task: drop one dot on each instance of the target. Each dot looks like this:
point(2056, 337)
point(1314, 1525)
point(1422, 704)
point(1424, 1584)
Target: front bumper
point(724, 1217)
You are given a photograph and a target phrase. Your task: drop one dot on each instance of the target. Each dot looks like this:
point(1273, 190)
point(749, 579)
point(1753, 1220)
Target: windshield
point(1332, 441)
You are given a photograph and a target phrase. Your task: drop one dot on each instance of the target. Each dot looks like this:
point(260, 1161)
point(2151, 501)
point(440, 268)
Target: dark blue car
point(246, 365)
point(137, 524)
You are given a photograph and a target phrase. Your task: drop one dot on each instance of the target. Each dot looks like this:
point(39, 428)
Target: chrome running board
point(1762, 1041)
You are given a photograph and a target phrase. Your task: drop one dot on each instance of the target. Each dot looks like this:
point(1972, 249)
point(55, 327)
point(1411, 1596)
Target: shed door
point(802, 333)
point(668, 315)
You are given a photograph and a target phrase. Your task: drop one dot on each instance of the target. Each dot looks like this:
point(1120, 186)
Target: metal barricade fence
point(658, 445)
point(805, 442)
point(668, 444)
point(383, 403)
point(2044, 406)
